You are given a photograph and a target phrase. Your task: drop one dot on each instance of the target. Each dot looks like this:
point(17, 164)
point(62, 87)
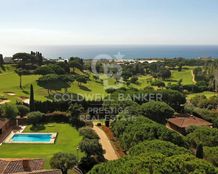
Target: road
point(110, 153)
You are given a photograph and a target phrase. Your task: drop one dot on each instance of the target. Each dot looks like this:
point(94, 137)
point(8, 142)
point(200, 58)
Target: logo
point(110, 68)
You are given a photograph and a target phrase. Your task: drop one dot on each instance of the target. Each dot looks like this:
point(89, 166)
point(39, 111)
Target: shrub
point(203, 135)
point(56, 116)
point(91, 147)
point(110, 90)
point(10, 111)
point(88, 123)
point(23, 110)
point(209, 115)
point(132, 132)
point(89, 133)
point(158, 83)
point(98, 124)
point(211, 154)
point(157, 111)
point(154, 146)
point(155, 163)
point(34, 118)
point(1, 111)
point(63, 161)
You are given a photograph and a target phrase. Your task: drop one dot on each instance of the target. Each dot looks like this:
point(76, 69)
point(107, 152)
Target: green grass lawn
point(67, 141)
point(10, 83)
point(206, 93)
point(142, 82)
point(185, 75)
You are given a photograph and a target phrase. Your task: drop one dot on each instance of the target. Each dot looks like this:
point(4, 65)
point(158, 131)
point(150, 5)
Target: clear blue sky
point(73, 22)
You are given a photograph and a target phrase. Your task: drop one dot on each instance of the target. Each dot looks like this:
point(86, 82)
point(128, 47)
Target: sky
point(26, 23)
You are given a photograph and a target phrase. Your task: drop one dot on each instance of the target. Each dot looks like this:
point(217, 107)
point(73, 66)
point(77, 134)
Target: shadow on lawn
point(37, 128)
point(84, 88)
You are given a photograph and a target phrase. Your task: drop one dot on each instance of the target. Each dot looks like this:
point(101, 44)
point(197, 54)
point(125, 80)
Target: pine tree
point(200, 151)
point(32, 105)
point(1, 60)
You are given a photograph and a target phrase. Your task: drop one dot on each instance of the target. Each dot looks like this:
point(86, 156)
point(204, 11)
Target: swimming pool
point(33, 138)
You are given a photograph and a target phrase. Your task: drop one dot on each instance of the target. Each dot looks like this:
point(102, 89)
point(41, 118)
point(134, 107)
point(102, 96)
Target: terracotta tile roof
point(8, 166)
point(184, 122)
point(42, 172)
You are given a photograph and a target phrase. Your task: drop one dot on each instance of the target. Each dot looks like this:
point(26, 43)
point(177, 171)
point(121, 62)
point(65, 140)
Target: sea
point(127, 51)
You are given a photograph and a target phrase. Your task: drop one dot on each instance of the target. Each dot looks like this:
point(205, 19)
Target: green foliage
point(44, 70)
point(137, 164)
point(23, 59)
point(157, 111)
point(137, 129)
point(173, 98)
point(211, 155)
point(54, 82)
point(32, 102)
point(88, 132)
point(200, 151)
point(164, 74)
point(202, 101)
point(185, 164)
point(91, 147)
point(191, 129)
point(23, 110)
point(110, 90)
point(1, 111)
point(158, 83)
point(157, 146)
point(203, 135)
point(75, 111)
point(50, 69)
point(76, 62)
point(34, 118)
point(134, 80)
point(81, 79)
point(63, 161)
point(155, 163)
point(209, 115)
point(10, 111)
point(1, 60)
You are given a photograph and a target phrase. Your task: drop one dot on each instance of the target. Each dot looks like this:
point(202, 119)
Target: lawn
point(206, 93)
point(185, 75)
point(67, 141)
point(143, 81)
point(10, 83)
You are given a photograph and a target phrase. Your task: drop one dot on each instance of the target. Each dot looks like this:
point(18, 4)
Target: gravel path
point(110, 153)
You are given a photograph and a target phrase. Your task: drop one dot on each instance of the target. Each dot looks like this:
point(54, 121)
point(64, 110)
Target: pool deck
point(9, 138)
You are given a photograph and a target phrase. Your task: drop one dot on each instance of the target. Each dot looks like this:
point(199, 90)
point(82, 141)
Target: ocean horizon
point(127, 51)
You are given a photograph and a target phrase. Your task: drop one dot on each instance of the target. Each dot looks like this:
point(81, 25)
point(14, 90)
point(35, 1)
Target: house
point(181, 123)
point(24, 166)
point(6, 127)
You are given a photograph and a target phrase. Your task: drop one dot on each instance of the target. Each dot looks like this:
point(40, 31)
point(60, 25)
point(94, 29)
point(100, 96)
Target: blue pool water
point(34, 138)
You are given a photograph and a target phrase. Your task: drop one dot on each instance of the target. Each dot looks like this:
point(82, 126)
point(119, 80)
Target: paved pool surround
point(10, 140)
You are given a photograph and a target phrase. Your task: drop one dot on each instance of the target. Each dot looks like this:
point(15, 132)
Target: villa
point(24, 166)
point(181, 123)
point(5, 127)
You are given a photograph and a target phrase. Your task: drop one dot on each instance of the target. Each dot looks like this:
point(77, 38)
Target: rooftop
point(20, 165)
point(184, 122)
